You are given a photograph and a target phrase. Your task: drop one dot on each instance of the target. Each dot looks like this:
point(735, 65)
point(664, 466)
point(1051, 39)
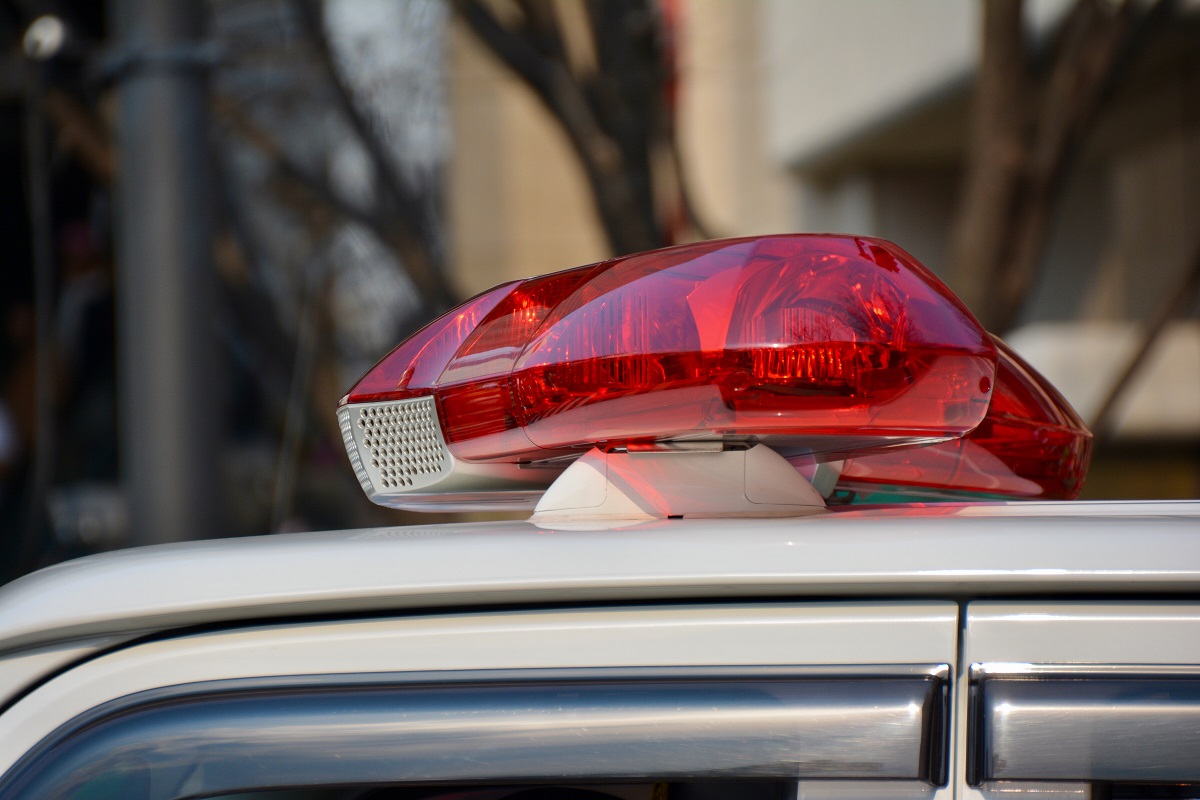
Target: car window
point(255, 735)
point(1085, 727)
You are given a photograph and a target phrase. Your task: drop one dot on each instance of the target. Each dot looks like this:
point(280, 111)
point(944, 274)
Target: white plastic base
point(649, 485)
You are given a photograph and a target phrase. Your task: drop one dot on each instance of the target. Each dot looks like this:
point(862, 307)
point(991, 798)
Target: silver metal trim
point(236, 735)
point(346, 423)
point(1034, 790)
point(860, 790)
point(740, 672)
point(399, 444)
point(1127, 723)
point(1015, 670)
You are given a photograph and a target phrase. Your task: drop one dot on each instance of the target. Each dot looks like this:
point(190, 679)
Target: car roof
point(936, 550)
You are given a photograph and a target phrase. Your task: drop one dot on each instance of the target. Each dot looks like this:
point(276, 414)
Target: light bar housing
point(822, 347)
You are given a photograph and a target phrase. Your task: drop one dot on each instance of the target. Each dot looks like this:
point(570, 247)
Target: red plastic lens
point(475, 390)
point(1030, 444)
point(831, 344)
point(413, 367)
point(822, 341)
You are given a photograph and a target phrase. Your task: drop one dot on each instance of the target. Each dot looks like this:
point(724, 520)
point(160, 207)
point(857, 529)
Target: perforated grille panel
point(360, 472)
point(397, 446)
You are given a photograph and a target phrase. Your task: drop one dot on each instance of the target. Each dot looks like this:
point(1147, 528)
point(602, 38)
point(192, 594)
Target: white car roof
point(951, 550)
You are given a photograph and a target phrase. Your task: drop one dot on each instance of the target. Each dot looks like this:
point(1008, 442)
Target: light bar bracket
point(756, 482)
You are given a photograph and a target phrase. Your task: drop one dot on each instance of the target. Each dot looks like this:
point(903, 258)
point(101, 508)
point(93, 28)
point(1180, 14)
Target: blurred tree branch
point(1026, 131)
point(320, 206)
point(415, 234)
point(617, 115)
point(1175, 304)
point(80, 133)
point(290, 365)
point(231, 114)
point(997, 152)
point(402, 214)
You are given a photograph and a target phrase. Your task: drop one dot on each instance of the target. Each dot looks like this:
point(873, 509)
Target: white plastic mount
point(757, 482)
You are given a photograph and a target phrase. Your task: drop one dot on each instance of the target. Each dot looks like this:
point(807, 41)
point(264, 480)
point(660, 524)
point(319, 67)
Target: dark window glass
point(1123, 730)
point(246, 737)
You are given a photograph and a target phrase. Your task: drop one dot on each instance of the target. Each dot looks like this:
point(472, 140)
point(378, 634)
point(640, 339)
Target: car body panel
point(1076, 643)
point(1052, 585)
point(838, 639)
point(20, 670)
point(1017, 633)
point(959, 551)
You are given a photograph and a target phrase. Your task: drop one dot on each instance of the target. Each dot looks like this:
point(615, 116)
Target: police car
point(799, 528)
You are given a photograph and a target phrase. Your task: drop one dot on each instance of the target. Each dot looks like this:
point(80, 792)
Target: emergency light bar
point(820, 347)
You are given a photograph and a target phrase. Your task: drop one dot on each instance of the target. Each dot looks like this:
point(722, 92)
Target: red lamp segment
point(492, 348)
point(475, 392)
point(1030, 444)
point(796, 336)
point(413, 367)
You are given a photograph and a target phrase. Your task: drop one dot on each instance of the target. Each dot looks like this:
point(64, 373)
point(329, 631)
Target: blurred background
point(217, 215)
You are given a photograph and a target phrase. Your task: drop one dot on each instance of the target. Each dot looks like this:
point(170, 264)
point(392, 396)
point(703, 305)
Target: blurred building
point(852, 116)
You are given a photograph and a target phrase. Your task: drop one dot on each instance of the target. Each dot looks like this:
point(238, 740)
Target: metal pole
point(165, 280)
point(42, 230)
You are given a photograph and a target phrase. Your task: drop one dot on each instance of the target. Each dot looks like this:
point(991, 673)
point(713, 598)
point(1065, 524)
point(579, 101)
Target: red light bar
point(819, 346)
point(1030, 444)
point(833, 344)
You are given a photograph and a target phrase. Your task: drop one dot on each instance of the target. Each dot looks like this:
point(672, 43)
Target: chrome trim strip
point(1011, 670)
point(1034, 790)
point(737, 672)
point(241, 735)
point(859, 790)
point(1086, 725)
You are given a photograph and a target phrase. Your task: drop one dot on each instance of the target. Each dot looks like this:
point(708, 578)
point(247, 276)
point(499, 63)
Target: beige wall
point(839, 68)
point(736, 185)
point(518, 202)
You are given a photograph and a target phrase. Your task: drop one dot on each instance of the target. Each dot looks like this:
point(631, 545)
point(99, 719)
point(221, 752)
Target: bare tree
point(416, 232)
point(614, 103)
point(1175, 304)
point(1028, 124)
point(326, 195)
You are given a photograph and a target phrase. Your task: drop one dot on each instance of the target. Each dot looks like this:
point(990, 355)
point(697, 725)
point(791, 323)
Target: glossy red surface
point(476, 395)
point(1030, 444)
point(834, 344)
point(820, 338)
point(413, 367)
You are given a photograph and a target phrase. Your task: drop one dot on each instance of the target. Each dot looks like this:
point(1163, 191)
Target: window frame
point(522, 726)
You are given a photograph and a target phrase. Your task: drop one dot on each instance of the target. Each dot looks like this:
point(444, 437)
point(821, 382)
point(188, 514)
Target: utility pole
point(165, 281)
